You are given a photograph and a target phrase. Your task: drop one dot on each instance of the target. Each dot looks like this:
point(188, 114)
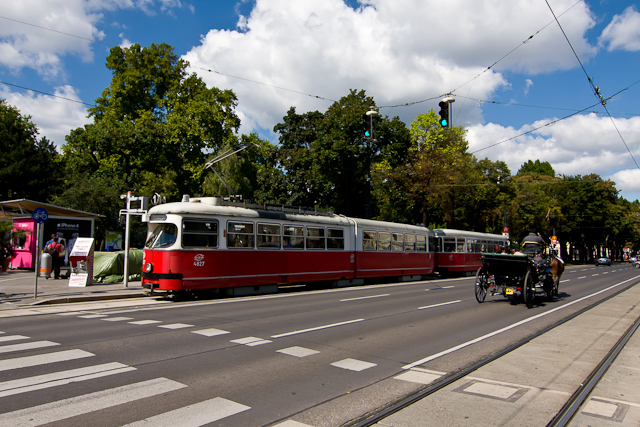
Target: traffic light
point(444, 114)
point(367, 123)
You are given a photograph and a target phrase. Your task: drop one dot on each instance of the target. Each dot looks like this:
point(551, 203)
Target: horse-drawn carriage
point(518, 277)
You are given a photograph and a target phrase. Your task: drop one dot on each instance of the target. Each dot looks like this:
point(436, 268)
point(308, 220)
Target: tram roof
point(442, 232)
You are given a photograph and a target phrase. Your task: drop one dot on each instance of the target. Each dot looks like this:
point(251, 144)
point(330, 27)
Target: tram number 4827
point(198, 260)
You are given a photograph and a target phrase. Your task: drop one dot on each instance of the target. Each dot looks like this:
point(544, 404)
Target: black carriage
point(516, 277)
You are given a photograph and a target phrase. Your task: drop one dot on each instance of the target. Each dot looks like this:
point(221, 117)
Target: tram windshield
point(164, 235)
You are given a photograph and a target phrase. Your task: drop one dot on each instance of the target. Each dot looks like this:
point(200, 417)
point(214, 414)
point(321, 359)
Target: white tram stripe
point(40, 382)
point(26, 346)
point(13, 338)
point(194, 415)
point(42, 359)
point(67, 408)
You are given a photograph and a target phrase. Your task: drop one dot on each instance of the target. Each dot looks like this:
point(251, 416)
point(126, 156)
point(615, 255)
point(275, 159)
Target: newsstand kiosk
point(81, 262)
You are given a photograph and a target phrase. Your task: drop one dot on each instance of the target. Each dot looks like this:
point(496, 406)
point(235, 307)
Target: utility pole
point(369, 138)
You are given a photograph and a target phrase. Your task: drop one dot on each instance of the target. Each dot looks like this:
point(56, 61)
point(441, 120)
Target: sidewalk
point(18, 289)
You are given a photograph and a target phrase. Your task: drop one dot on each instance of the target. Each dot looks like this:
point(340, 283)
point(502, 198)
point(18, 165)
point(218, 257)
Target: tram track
point(564, 415)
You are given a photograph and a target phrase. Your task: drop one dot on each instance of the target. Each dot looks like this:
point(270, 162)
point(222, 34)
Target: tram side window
point(369, 240)
point(397, 243)
point(199, 233)
point(335, 238)
point(268, 236)
point(384, 241)
point(410, 242)
point(315, 238)
point(431, 244)
point(240, 234)
point(163, 236)
point(293, 237)
point(449, 244)
point(461, 245)
point(421, 243)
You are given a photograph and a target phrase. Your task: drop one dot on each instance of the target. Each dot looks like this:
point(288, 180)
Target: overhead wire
point(596, 89)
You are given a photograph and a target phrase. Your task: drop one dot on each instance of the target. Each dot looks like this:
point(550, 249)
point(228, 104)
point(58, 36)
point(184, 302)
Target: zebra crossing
point(210, 410)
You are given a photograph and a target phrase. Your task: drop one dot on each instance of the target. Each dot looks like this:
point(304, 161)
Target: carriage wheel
point(528, 289)
point(482, 284)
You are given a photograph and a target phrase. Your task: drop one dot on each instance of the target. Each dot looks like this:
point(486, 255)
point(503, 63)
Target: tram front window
point(163, 236)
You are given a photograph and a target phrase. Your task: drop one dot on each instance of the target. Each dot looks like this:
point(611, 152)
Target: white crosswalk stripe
point(13, 338)
point(67, 408)
point(8, 388)
point(194, 415)
point(26, 346)
point(42, 359)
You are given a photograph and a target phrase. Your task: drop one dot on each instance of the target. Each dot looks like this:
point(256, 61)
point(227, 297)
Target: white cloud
point(623, 32)
point(395, 50)
point(580, 145)
point(55, 117)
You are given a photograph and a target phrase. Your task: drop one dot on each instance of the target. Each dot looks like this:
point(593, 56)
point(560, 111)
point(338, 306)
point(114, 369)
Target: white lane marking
point(439, 305)
point(39, 382)
point(42, 359)
point(298, 351)
point(250, 341)
point(13, 338)
point(195, 415)
point(582, 277)
point(92, 316)
point(369, 297)
point(353, 365)
point(26, 346)
point(176, 326)
point(514, 325)
point(302, 331)
point(67, 408)
point(117, 319)
point(210, 332)
point(144, 322)
point(447, 287)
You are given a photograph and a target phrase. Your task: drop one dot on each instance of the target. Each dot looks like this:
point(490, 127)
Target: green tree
point(542, 168)
point(152, 129)
point(29, 167)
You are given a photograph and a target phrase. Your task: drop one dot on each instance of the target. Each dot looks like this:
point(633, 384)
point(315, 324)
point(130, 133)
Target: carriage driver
point(533, 244)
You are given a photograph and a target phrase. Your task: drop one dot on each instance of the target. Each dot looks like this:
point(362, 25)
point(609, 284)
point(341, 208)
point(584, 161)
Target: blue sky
point(509, 66)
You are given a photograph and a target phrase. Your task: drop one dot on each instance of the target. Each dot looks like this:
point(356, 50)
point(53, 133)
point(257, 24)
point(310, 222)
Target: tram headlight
point(148, 267)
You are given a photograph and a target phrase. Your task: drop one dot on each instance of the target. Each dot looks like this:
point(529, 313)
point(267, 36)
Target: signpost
point(39, 215)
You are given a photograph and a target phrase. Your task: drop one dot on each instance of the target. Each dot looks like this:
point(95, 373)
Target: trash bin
point(45, 265)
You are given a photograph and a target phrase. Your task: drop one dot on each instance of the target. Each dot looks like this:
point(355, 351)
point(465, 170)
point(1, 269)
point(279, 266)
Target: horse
point(557, 268)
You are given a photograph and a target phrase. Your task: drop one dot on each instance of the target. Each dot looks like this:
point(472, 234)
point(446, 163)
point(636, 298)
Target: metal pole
point(126, 243)
point(38, 237)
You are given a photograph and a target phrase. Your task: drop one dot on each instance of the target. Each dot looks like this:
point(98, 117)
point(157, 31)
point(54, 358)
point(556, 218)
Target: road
point(318, 358)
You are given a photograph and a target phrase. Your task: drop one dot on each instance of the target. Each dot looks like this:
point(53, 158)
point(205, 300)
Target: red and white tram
point(206, 243)
point(459, 251)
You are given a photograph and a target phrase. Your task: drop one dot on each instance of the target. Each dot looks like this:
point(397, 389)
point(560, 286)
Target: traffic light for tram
point(444, 114)
point(367, 122)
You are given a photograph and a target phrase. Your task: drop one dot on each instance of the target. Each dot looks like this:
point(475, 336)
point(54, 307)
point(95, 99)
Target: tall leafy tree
point(29, 167)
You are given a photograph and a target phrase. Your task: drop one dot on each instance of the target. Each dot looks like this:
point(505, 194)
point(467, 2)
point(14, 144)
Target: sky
point(523, 73)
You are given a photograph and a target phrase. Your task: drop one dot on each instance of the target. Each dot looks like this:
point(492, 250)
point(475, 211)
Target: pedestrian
point(56, 259)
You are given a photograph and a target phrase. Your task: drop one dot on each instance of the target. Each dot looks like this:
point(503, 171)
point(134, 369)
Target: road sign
point(40, 215)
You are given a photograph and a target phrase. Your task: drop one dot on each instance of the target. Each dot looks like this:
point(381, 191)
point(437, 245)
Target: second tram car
point(207, 244)
point(459, 251)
